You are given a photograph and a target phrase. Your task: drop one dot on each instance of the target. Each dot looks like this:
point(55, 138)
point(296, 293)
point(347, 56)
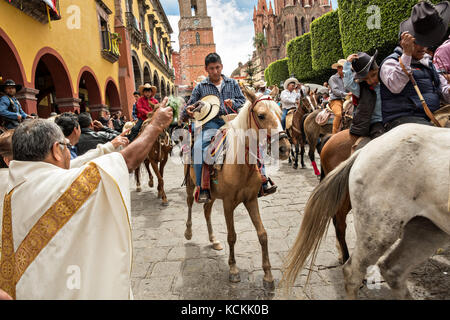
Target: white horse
point(399, 188)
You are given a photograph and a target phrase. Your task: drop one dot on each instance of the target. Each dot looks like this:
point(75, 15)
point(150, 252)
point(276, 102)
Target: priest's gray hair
point(33, 140)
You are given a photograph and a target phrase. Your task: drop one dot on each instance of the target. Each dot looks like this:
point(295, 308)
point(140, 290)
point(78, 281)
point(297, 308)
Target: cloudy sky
point(233, 28)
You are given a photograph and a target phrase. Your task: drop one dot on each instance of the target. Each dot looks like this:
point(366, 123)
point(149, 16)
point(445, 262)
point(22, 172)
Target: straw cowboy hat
point(260, 84)
point(428, 23)
point(10, 83)
point(146, 87)
point(206, 109)
point(340, 63)
point(364, 64)
point(290, 80)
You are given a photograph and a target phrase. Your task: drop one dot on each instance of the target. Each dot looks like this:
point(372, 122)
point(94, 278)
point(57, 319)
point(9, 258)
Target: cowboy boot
point(266, 189)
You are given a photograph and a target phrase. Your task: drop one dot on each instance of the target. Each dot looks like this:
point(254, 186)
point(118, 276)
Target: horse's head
point(314, 98)
point(263, 113)
point(305, 103)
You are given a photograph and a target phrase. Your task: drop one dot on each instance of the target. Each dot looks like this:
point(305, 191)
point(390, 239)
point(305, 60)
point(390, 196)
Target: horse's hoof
point(269, 285)
point(165, 203)
point(138, 189)
point(303, 166)
point(188, 234)
point(235, 278)
point(295, 167)
point(217, 246)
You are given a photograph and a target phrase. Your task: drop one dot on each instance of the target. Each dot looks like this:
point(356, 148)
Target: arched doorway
point(147, 74)
point(136, 71)
point(10, 64)
point(51, 77)
point(11, 67)
point(112, 98)
point(89, 92)
point(157, 85)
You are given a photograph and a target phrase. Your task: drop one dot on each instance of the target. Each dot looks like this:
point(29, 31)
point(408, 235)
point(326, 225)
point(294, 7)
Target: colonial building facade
point(196, 40)
point(84, 55)
point(289, 19)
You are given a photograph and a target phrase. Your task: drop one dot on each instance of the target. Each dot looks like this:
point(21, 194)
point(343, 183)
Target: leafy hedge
point(326, 45)
point(354, 27)
point(299, 54)
point(276, 72)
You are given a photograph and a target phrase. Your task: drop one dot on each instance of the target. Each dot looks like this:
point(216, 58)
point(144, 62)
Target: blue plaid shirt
point(229, 90)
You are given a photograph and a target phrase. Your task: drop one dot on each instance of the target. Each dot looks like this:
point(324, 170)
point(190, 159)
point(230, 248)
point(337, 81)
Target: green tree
point(259, 41)
point(251, 70)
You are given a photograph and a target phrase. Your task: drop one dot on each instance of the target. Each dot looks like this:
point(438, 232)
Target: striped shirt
point(229, 90)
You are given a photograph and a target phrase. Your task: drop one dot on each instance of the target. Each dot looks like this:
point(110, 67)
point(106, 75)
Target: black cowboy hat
point(10, 83)
point(428, 23)
point(363, 64)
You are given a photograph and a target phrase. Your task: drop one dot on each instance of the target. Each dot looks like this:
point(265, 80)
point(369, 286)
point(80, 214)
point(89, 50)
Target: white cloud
point(233, 32)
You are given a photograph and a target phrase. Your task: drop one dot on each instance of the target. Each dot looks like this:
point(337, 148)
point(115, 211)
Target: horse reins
point(281, 134)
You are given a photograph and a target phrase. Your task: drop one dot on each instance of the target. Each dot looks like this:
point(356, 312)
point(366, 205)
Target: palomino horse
point(398, 186)
point(157, 158)
point(294, 128)
point(239, 183)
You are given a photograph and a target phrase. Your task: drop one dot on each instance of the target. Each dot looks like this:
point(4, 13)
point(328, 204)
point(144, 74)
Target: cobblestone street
point(166, 266)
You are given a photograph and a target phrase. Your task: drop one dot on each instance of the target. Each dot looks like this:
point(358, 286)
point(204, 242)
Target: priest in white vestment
point(66, 232)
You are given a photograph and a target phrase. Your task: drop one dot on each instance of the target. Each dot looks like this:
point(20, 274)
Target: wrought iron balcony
point(134, 29)
point(150, 52)
point(37, 9)
point(110, 43)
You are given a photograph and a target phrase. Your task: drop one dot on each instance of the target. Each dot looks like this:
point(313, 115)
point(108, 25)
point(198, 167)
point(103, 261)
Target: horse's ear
point(315, 91)
point(251, 96)
point(275, 91)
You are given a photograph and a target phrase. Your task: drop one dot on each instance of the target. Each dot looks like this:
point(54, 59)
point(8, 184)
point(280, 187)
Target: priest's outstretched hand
point(137, 151)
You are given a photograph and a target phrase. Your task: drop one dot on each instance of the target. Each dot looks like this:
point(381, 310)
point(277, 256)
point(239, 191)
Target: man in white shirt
point(289, 98)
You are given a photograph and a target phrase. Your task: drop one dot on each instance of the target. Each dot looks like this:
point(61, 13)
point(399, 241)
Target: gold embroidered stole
point(13, 266)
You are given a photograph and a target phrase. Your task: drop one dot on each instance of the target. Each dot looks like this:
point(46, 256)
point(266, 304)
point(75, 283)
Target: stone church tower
point(196, 41)
point(288, 20)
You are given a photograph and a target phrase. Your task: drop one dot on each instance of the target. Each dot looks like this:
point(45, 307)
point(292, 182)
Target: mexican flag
point(51, 4)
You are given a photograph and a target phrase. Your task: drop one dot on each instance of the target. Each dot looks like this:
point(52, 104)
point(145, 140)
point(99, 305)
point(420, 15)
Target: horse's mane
point(241, 121)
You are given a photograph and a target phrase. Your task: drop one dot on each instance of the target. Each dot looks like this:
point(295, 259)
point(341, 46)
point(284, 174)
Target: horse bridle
point(280, 135)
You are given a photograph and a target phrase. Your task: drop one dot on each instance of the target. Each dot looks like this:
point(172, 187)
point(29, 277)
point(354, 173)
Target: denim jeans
point(209, 130)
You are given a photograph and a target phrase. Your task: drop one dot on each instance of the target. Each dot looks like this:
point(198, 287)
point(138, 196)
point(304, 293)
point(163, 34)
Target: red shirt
point(143, 107)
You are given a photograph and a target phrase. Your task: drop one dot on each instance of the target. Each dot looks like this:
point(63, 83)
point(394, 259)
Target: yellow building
point(75, 54)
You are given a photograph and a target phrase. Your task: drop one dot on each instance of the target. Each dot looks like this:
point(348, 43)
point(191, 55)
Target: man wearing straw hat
point(208, 120)
point(401, 104)
point(288, 98)
point(145, 104)
point(261, 88)
point(337, 93)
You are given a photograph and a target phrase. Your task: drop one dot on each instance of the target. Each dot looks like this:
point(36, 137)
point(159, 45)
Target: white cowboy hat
point(207, 109)
point(147, 86)
point(340, 63)
point(260, 84)
point(290, 80)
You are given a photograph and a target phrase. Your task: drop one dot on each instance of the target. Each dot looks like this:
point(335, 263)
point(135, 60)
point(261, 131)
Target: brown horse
point(237, 183)
point(294, 128)
point(314, 131)
point(159, 154)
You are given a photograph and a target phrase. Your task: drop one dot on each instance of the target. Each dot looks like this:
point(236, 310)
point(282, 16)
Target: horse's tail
point(322, 205)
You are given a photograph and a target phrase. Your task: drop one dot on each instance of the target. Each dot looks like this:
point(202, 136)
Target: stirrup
point(269, 191)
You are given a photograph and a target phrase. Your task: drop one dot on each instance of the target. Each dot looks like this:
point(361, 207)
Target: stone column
point(28, 100)
point(95, 110)
point(70, 104)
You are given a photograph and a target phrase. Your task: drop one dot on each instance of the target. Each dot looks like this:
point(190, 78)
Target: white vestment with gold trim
point(90, 256)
